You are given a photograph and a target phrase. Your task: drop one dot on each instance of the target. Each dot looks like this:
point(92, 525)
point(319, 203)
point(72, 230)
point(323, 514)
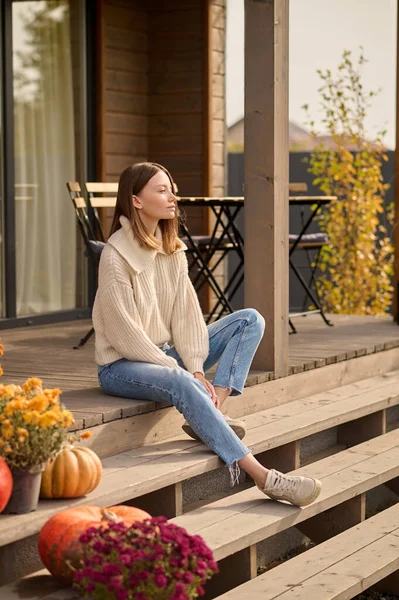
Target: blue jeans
point(233, 341)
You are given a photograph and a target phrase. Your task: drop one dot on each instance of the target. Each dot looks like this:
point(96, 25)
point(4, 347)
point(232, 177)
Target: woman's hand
point(209, 388)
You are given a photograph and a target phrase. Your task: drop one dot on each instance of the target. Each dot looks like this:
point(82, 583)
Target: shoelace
point(285, 483)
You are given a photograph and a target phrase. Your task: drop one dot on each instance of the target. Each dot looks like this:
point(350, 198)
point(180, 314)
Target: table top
point(211, 200)
point(239, 200)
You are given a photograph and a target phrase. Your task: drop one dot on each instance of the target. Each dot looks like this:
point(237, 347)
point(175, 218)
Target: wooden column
point(396, 184)
point(266, 176)
point(100, 103)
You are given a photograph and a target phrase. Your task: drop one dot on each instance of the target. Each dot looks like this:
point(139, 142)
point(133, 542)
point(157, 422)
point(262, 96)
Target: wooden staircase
point(347, 436)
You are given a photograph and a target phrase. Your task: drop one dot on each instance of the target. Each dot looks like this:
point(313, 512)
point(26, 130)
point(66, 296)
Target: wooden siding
point(155, 97)
point(126, 85)
point(176, 97)
point(125, 88)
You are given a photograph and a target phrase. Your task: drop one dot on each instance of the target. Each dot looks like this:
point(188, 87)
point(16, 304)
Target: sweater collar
point(128, 247)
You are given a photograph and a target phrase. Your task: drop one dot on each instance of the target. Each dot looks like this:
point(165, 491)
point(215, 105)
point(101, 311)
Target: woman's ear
point(136, 202)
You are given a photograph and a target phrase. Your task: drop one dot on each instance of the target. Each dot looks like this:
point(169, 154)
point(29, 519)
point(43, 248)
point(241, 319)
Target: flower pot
point(26, 488)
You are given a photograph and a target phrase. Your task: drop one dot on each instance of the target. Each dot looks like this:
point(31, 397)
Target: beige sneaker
point(236, 425)
point(299, 491)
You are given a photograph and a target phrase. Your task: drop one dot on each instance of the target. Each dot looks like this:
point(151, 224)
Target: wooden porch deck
point(47, 352)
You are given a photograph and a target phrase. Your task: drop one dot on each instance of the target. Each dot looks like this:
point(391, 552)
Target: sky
point(320, 30)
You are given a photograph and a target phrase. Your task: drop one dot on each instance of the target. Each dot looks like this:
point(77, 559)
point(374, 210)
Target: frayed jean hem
point(235, 471)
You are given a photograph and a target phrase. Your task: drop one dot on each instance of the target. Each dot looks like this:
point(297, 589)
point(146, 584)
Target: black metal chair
point(309, 242)
point(100, 195)
point(93, 247)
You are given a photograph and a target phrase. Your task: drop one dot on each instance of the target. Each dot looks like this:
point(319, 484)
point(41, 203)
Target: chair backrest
point(100, 195)
point(80, 206)
point(93, 247)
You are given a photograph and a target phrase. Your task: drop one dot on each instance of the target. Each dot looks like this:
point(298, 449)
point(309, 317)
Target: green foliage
point(358, 265)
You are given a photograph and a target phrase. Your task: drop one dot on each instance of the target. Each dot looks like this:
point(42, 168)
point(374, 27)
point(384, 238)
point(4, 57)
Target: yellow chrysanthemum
point(22, 431)
point(48, 419)
point(20, 397)
point(67, 418)
point(56, 409)
point(31, 384)
point(7, 431)
point(21, 439)
point(52, 393)
point(39, 403)
point(9, 391)
point(2, 443)
point(31, 416)
point(12, 407)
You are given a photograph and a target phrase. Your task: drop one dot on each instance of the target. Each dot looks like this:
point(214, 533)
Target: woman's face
point(156, 200)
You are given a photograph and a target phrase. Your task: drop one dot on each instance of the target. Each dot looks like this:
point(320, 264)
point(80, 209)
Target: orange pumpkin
point(59, 545)
point(5, 484)
point(73, 473)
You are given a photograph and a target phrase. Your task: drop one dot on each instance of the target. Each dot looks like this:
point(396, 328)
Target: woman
point(152, 342)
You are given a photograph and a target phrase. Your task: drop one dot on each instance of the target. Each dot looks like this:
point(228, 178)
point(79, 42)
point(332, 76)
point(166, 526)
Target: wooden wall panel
point(125, 78)
point(176, 99)
point(155, 96)
point(126, 85)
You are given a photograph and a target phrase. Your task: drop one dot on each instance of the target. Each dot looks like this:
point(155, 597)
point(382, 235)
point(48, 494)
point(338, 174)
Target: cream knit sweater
point(145, 299)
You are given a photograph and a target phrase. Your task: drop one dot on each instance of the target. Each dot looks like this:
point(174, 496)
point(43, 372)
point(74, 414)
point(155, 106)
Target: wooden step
point(273, 435)
point(239, 521)
point(232, 526)
point(119, 425)
point(338, 569)
point(164, 424)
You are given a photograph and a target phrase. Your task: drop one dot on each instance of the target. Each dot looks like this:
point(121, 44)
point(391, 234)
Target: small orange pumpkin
point(73, 473)
point(59, 546)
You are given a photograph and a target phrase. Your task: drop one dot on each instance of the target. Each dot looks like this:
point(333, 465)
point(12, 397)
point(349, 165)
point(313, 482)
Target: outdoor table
point(226, 237)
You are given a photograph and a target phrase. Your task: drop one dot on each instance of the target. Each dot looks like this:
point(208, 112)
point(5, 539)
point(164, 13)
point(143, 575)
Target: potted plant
point(33, 427)
point(149, 560)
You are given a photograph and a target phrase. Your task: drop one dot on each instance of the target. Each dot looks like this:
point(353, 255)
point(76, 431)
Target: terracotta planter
point(26, 488)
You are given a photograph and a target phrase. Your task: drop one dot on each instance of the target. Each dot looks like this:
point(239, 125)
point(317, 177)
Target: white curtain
point(44, 157)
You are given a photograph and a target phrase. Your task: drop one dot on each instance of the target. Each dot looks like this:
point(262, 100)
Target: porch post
point(396, 184)
point(266, 176)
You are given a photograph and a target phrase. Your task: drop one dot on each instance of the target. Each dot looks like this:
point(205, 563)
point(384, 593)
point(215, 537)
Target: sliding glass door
point(42, 268)
point(47, 106)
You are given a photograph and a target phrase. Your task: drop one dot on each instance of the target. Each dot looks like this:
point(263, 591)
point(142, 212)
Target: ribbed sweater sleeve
point(123, 330)
point(189, 330)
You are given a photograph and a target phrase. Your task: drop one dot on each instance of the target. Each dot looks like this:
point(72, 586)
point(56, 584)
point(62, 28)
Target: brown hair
point(131, 182)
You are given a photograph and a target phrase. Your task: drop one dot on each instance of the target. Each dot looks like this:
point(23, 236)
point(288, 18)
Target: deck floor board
point(47, 351)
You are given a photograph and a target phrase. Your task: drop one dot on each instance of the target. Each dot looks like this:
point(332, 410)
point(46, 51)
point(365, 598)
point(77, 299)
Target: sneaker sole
point(239, 430)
